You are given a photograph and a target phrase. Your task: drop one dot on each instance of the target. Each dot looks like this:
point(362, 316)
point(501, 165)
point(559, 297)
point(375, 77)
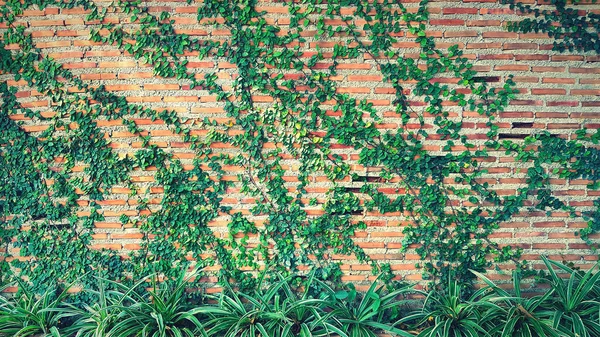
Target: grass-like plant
point(30, 315)
point(446, 314)
point(569, 308)
point(362, 315)
point(298, 313)
point(513, 315)
point(161, 312)
point(576, 307)
point(233, 317)
point(274, 311)
point(96, 319)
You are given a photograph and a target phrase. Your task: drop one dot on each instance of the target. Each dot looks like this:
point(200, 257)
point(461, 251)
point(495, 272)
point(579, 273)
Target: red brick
point(495, 56)
point(32, 12)
point(462, 33)
point(103, 53)
point(354, 90)
point(447, 22)
point(586, 92)
point(496, 11)
point(562, 103)
point(161, 86)
point(126, 236)
point(75, 11)
point(365, 78)
point(549, 224)
point(109, 246)
point(46, 23)
point(526, 79)
point(117, 64)
point(484, 23)
point(548, 69)
point(53, 44)
point(561, 58)
point(584, 70)
point(526, 36)
point(513, 46)
point(80, 65)
point(512, 67)
point(548, 91)
point(549, 246)
point(540, 57)
point(69, 54)
point(484, 45)
point(42, 33)
point(450, 11)
point(558, 80)
point(500, 35)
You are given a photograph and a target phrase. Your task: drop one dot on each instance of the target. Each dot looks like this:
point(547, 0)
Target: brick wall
point(558, 92)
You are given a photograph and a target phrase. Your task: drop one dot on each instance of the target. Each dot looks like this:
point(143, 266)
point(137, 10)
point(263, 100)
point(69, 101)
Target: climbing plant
point(288, 123)
point(572, 28)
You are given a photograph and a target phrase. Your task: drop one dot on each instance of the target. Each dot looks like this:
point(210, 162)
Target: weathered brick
point(548, 91)
point(46, 23)
point(117, 64)
point(514, 46)
point(484, 23)
point(500, 35)
point(532, 57)
point(451, 10)
point(559, 92)
point(447, 22)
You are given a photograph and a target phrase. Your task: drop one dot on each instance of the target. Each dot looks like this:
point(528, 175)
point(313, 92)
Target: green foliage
point(569, 307)
point(515, 315)
point(362, 315)
point(576, 308)
point(32, 315)
point(96, 319)
point(160, 312)
point(297, 313)
point(50, 211)
point(277, 310)
point(284, 307)
point(572, 28)
point(555, 157)
point(446, 314)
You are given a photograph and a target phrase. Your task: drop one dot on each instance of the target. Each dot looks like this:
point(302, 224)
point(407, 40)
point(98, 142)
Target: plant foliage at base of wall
point(567, 306)
point(49, 211)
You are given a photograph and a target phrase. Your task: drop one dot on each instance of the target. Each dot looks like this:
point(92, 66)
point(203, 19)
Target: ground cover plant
point(281, 307)
point(32, 314)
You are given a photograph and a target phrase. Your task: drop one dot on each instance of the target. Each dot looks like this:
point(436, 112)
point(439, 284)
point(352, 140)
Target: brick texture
point(558, 92)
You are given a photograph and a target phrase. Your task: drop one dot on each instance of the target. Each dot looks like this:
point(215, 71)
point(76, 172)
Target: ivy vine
point(572, 28)
point(277, 148)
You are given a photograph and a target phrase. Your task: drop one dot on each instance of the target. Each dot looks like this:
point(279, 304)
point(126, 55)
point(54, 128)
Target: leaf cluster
point(568, 305)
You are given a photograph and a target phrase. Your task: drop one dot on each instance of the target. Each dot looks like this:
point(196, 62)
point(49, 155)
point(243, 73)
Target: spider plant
point(233, 316)
point(292, 314)
point(159, 313)
point(94, 320)
point(576, 309)
point(445, 314)
point(362, 315)
point(514, 315)
point(31, 315)
point(274, 311)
